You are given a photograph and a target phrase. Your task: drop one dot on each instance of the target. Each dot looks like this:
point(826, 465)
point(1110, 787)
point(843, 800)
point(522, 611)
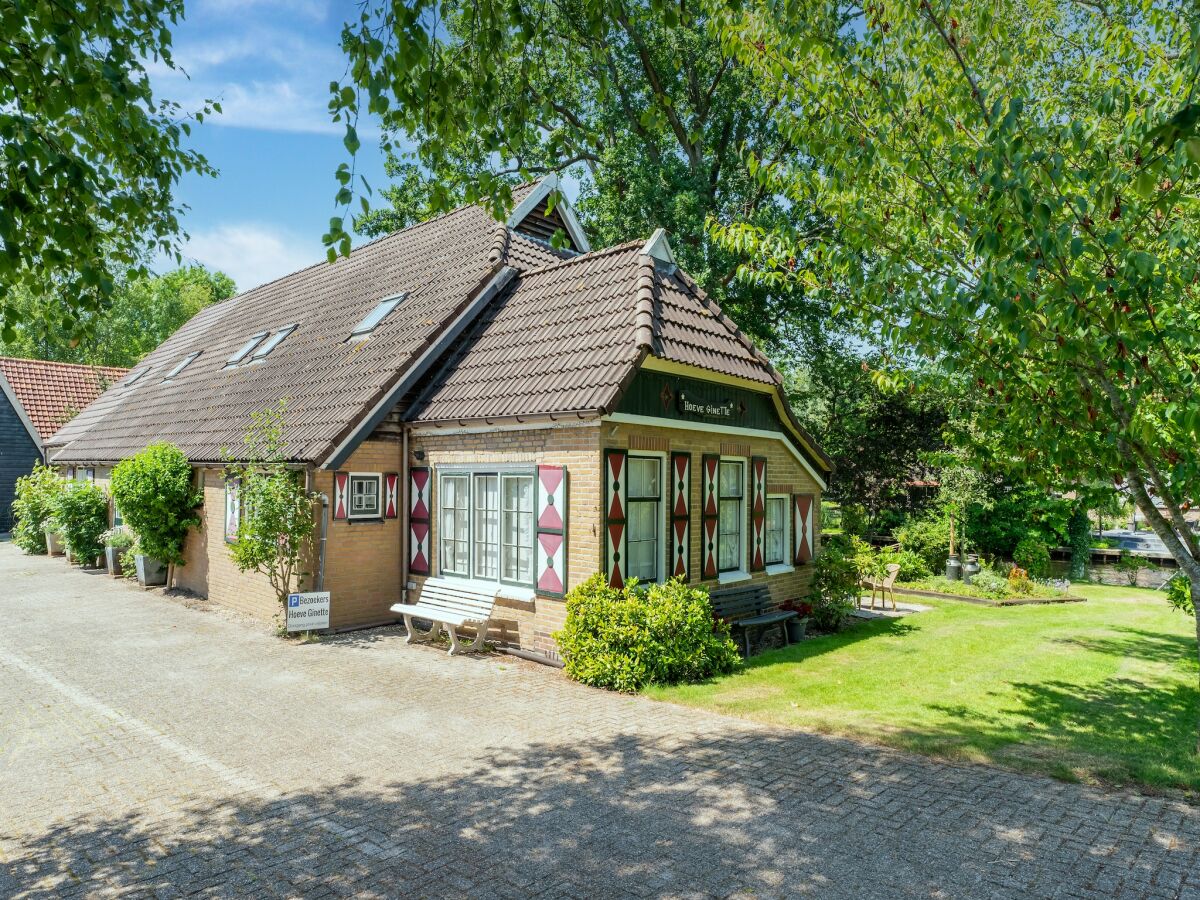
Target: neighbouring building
point(36, 399)
point(478, 404)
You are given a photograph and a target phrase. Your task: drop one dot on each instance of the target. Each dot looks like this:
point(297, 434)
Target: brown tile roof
point(53, 392)
point(328, 382)
point(563, 339)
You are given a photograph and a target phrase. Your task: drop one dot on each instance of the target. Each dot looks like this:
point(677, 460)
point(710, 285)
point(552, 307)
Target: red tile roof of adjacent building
point(52, 393)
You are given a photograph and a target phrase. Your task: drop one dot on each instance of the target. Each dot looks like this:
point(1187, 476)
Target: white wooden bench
point(450, 605)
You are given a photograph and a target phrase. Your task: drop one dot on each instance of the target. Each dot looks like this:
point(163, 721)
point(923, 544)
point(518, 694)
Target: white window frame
point(742, 572)
point(252, 342)
point(442, 532)
point(379, 313)
point(785, 565)
point(263, 350)
point(377, 477)
point(181, 365)
point(660, 558)
point(522, 590)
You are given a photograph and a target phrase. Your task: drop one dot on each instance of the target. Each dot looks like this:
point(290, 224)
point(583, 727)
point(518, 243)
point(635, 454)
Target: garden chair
point(883, 587)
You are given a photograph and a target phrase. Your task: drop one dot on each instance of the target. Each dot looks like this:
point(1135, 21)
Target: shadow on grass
point(750, 811)
point(1152, 646)
point(858, 630)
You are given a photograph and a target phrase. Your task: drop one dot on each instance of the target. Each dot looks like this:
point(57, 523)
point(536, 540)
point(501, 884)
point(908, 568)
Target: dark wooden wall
point(18, 453)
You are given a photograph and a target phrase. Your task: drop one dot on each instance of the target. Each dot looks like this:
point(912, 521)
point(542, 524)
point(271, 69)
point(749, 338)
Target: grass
point(1102, 692)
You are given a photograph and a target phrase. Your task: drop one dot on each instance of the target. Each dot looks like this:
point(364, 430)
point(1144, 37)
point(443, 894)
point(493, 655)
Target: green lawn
point(1103, 691)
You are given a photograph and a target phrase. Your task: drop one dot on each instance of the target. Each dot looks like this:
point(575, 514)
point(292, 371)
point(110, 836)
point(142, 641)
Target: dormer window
point(182, 364)
point(245, 349)
point(376, 316)
point(271, 343)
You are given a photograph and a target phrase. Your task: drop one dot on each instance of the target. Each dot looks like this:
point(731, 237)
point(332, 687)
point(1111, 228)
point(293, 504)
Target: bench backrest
point(740, 602)
point(457, 598)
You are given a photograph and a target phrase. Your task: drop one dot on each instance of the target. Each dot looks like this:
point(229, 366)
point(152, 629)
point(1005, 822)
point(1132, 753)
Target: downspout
point(405, 526)
point(322, 540)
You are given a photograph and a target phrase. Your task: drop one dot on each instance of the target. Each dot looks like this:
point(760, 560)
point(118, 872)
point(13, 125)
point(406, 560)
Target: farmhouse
point(476, 404)
point(36, 399)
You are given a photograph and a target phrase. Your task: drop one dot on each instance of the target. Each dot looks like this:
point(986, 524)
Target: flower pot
point(953, 568)
point(112, 556)
point(796, 629)
point(150, 571)
point(54, 543)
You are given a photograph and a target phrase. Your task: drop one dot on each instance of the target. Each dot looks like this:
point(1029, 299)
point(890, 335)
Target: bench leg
point(481, 631)
point(416, 636)
point(454, 646)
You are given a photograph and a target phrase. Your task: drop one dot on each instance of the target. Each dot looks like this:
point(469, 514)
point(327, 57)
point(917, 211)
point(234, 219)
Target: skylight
point(376, 316)
point(271, 343)
point(245, 349)
point(137, 376)
point(183, 364)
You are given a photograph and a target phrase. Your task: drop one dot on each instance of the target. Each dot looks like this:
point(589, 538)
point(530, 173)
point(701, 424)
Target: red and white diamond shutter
point(803, 524)
point(420, 518)
point(758, 512)
point(709, 465)
point(341, 495)
point(681, 515)
point(614, 516)
point(552, 530)
point(391, 481)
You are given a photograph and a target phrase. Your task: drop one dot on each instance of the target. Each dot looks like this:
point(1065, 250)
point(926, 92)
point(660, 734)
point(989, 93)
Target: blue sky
point(269, 62)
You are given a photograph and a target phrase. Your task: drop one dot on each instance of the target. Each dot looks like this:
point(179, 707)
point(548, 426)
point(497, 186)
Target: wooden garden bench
point(746, 607)
point(450, 605)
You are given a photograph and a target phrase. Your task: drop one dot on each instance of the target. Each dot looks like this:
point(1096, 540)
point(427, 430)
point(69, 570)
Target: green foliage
point(624, 640)
point(912, 565)
point(1130, 566)
point(1179, 594)
point(639, 102)
point(1079, 539)
point(835, 584)
point(155, 495)
point(143, 312)
point(990, 583)
point(855, 520)
point(36, 497)
point(1017, 508)
point(81, 514)
point(119, 539)
point(929, 538)
point(275, 534)
point(1013, 205)
point(1032, 555)
point(90, 155)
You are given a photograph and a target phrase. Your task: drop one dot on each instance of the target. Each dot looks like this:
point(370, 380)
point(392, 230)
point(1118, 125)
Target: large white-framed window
point(731, 515)
point(485, 525)
point(775, 531)
point(366, 489)
point(454, 532)
point(644, 514)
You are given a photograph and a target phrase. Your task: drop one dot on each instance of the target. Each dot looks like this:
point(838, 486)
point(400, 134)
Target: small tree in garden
point(157, 501)
point(1079, 536)
point(36, 496)
point(961, 487)
point(81, 514)
point(275, 532)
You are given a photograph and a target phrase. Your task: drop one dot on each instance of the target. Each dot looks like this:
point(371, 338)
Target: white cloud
point(251, 253)
point(270, 106)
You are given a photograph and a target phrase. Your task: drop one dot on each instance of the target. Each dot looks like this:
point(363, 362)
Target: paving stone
point(148, 748)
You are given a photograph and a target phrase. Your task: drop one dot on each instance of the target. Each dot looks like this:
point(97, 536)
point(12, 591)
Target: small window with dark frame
point(244, 350)
point(731, 515)
point(376, 316)
point(364, 496)
point(265, 348)
point(644, 500)
point(182, 364)
point(775, 537)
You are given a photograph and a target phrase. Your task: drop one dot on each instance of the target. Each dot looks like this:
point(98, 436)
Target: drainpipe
point(405, 526)
point(324, 532)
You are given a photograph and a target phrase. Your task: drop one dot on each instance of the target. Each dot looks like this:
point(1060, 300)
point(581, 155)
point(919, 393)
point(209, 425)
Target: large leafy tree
point(88, 156)
point(142, 313)
point(640, 102)
point(1014, 188)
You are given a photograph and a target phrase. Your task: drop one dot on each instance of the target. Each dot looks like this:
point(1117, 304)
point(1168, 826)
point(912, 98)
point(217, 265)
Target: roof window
point(271, 343)
point(137, 376)
point(245, 349)
point(376, 316)
point(183, 364)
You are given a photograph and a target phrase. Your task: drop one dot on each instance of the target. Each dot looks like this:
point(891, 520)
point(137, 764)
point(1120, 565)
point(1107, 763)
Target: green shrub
point(855, 519)
point(1033, 556)
point(624, 640)
point(929, 538)
point(990, 583)
point(835, 585)
point(1179, 594)
point(81, 514)
point(119, 539)
point(1130, 566)
point(912, 565)
point(154, 492)
point(37, 493)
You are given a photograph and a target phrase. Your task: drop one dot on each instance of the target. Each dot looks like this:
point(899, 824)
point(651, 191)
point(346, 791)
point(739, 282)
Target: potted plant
point(116, 542)
point(797, 627)
point(54, 540)
point(81, 514)
point(151, 572)
point(33, 508)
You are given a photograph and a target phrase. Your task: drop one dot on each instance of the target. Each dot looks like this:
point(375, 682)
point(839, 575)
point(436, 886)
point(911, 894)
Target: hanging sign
point(308, 612)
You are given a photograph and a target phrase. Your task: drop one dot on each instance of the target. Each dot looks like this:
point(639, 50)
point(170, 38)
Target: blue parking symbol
point(293, 600)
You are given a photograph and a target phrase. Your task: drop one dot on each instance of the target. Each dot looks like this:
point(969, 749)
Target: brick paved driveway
point(151, 748)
